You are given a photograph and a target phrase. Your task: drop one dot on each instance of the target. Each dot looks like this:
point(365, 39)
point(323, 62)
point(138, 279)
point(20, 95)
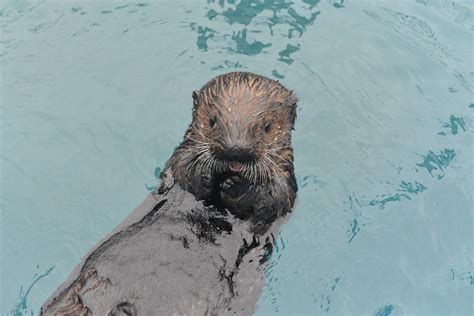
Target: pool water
point(96, 94)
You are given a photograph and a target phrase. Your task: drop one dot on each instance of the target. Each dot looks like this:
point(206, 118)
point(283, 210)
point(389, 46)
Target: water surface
point(95, 96)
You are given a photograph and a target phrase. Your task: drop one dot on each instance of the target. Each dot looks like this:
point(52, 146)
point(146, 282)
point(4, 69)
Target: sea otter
point(174, 255)
point(237, 153)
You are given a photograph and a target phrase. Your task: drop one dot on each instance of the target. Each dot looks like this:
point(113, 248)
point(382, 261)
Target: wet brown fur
point(249, 111)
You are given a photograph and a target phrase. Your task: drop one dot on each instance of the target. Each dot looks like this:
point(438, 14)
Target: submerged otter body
point(237, 153)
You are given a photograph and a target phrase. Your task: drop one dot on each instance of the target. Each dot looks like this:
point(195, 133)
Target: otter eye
point(268, 126)
point(212, 121)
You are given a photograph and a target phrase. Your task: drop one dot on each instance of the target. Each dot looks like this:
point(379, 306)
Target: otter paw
point(206, 180)
point(203, 186)
point(234, 186)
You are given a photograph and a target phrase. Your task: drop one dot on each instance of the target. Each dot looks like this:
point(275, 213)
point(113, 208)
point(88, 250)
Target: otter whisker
point(200, 149)
point(258, 170)
point(246, 173)
point(288, 160)
point(279, 138)
point(201, 158)
point(249, 171)
point(202, 135)
point(272, 167)
point(255, 172)
point(279, 148)
point(197, 140)
point(211, 164)
point(194, 160)
point(268, 170)
point(206, 163)
point(263, 172)
point(195, 163)
point(223, 166)
point(218, 166)
point(194, 156)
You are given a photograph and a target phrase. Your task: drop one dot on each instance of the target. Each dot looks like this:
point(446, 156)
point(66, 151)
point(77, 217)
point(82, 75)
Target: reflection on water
point(97, 94)
point(252, 27)
point(454, 124)
point(21, 308)
point(434, 161)
point(387, 310)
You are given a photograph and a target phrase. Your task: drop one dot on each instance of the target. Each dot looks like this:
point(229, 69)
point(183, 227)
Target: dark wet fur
point(245, 118)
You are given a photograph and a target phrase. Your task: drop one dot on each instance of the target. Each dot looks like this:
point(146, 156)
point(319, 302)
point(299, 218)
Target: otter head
point(242, 124)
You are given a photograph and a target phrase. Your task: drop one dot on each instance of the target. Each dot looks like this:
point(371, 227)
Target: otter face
point(243, 126)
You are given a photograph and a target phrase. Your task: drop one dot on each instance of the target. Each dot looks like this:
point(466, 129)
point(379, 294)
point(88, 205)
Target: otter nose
point(238, 153)
point(235, 153)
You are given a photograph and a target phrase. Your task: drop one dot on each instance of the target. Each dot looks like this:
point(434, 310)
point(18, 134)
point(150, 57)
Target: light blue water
point(95, 95)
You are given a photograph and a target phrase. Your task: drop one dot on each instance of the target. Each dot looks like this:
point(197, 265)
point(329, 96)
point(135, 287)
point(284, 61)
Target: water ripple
point(434, 163)
point(246, 28)
point(21, 308)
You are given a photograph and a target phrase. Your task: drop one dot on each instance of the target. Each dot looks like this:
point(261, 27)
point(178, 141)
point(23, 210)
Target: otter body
point(174, 255)
point(237, 153)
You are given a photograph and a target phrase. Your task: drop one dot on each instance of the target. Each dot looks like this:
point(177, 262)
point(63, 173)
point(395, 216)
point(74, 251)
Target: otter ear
point(293, 115)
point(195, 99)
point(293, 100)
